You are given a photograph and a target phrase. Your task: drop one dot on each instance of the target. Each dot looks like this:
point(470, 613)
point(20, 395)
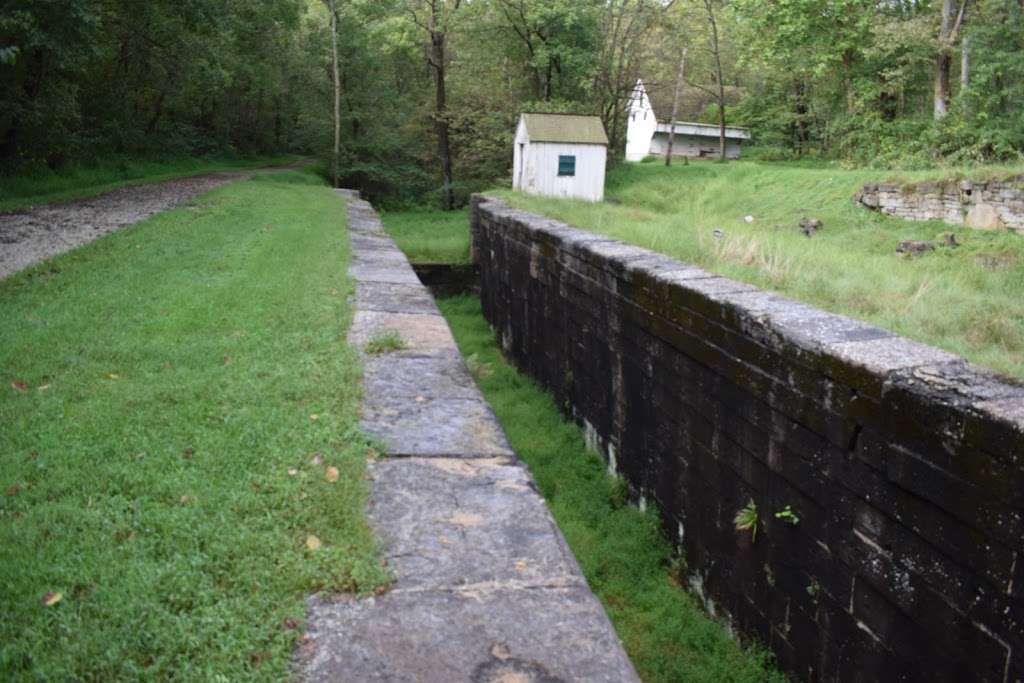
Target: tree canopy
point(430, 89)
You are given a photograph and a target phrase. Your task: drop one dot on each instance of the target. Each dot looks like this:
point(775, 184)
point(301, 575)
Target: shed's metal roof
point(705, 130)
point(565, 128)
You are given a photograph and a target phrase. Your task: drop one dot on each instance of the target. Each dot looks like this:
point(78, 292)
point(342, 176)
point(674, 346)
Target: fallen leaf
point(185, 500)
point(521, 565)
point(43, 387)
point(188, 453)
point(316, 460)
point(314, 417)
point(292, 472)
point(289, 624)
point(12, 490)
point(331, 474)
point(227, 360)
point(421, 399)
point(312, 542)
point(18, 385)
point(51, 599)
point(380, 590)
point(114, 375)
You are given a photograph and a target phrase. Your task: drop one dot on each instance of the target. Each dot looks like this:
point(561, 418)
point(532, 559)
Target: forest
point(419, 98)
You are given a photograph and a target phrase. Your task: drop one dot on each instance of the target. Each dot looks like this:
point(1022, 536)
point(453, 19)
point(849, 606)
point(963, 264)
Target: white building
point(648, 127)
point(560, 155)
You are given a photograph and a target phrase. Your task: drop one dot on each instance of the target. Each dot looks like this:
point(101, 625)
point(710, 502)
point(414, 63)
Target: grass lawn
point(431, 236)
point(968, 300)
point(76, 182)
point(621, 550)
point(174, 398)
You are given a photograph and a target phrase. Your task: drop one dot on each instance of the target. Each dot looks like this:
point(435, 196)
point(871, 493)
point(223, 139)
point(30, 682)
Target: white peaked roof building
point(560, 155)
point(648, 126)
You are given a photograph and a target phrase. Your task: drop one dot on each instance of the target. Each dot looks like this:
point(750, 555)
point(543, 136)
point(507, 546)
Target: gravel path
point(35, 234)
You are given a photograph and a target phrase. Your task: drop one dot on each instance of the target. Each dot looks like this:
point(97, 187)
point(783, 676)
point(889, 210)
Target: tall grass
point(968, 300)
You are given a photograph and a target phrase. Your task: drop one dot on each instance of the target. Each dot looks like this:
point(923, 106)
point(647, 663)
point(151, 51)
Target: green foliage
point(787, 515)
point(746, 519)
point(623, 554)
point(156, 443)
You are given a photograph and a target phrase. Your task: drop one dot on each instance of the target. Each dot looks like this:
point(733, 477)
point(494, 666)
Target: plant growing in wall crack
point(385, 341)
point(786, 514)
point(746, 519)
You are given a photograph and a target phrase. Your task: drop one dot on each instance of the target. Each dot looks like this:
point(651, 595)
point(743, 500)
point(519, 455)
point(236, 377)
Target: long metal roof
point(570, 128)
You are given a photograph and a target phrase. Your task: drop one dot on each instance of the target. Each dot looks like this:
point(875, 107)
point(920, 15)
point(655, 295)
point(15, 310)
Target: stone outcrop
point(985, 205)
point(903, 464)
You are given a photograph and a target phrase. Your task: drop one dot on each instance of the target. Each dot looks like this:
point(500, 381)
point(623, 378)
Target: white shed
point(649, 125)
point(560, 155)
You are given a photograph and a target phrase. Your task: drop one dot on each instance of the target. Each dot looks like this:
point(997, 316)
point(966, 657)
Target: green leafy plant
point(813, 588)
point(746, 519)
point(477, 368)
point(786, 514)
point(385, 341)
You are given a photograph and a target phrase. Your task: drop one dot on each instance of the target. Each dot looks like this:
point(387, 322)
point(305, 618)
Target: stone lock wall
point(903, 463)
point(986, 205)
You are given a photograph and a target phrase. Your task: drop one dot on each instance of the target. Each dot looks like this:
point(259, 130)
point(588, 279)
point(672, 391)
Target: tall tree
point(336, 157)
point(716, 53)
point(435, 17)
point(953, 13)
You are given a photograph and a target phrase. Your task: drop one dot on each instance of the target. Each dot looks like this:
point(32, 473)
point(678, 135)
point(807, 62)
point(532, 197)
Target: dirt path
point(35, 234)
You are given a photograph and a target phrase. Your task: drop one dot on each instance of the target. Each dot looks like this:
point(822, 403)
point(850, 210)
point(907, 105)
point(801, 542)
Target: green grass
point(385, 341)
point(78, 181)
point(621, 550)
point(171, 397)
point(966, 300)
point(431, 236)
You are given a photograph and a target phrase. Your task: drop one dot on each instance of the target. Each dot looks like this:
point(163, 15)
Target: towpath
point(486, 588)
point(39, 232)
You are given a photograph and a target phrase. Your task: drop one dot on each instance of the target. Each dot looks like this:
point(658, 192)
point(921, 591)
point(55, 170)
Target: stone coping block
point(495, 536)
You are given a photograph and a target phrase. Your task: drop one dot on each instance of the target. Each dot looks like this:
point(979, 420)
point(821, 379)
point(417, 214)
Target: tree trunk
point(437, 61)
point(337, 91)
point(717, 53)
point(675, 107)
point(851, 102)
point(965, 63)
point(944, 59)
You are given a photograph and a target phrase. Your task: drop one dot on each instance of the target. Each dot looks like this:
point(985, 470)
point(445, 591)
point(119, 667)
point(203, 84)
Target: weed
point(385, 341)
point(477, 368)
point(746, 519)
point(787, 515)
